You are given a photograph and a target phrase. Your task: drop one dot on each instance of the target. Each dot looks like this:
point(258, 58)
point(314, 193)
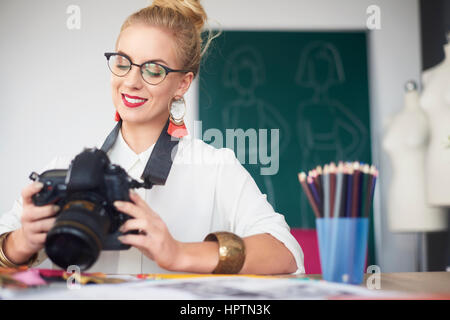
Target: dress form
point(435, 101)
point(406, 142)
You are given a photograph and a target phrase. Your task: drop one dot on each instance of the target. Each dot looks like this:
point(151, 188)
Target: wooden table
point(417, 283)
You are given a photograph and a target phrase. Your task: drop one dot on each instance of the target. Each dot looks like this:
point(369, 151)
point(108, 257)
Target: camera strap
point(160, 161)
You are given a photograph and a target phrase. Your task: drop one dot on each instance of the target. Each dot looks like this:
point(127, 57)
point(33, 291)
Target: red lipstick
point(132, 104)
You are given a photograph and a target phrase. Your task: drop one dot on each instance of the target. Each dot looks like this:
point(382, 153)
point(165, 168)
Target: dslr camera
point(87, 222)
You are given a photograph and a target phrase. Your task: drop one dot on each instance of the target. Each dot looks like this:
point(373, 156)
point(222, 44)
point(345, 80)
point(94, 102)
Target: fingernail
point(120, 238)
point(56, 208)
point(132, 191)
point(118, 204)
point(38, 185)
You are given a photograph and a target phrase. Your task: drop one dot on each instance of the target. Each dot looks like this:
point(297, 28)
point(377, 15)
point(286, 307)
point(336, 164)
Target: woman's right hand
point(36, 221)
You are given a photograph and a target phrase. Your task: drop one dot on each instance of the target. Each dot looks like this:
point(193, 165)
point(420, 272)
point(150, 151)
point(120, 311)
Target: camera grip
point(54, 187)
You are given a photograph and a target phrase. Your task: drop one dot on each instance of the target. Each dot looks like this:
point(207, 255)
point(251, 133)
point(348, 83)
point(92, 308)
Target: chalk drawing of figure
point(244, 71)
point(326, 129)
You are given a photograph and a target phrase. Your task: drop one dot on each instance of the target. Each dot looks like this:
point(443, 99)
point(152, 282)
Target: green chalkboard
point(312, 86)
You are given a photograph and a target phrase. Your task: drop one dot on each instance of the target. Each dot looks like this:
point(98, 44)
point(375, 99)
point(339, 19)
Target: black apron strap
point(160, 161)
point(112, 137)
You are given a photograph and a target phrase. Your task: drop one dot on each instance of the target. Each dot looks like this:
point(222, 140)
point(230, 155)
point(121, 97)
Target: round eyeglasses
point(152, 72)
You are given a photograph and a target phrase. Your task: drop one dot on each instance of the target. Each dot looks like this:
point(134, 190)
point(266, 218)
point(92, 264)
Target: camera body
point(87, 222)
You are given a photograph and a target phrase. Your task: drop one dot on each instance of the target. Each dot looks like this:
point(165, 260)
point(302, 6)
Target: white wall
point(55, 82)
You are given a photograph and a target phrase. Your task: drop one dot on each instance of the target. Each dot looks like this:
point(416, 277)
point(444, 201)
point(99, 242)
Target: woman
point(157, 56)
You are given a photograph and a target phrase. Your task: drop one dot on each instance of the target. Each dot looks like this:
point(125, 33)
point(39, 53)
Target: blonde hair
point(185, 19)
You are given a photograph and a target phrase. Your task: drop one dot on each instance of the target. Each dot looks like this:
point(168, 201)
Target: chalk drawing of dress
point(244, 71)
point(325, 128)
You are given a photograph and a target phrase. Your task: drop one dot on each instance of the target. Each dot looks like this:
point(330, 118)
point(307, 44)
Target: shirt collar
point(123, 155)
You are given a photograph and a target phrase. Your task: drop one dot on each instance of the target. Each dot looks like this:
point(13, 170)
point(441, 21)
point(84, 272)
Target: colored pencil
point(320, 183)
point(348, 210)
point(344, 192)
point(319, 174)
point(326, 192)
point(364, 190)
point(355, 191)
point(302, 179)
point(372, 189)
point(318, 189)
point(338, 197)
point(332, 174)
point(314, 176)
point(314, 192)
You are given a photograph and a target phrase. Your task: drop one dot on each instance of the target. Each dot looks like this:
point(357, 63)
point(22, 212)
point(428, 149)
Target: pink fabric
point(30, 277)
point(307, 238)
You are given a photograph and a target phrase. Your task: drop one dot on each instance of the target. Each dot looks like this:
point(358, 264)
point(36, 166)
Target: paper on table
point(222, 288)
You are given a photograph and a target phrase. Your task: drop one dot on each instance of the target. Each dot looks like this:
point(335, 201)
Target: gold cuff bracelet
point(231, 252)
point(5, 262)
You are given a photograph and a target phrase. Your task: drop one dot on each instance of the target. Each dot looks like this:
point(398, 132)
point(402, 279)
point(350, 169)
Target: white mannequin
point(435, 101)
point(406, 142)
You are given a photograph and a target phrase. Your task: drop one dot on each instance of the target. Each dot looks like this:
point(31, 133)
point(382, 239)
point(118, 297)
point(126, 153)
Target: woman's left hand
point(154, 239)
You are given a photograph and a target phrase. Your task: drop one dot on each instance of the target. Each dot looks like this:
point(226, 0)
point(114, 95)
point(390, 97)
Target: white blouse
point(207, 190)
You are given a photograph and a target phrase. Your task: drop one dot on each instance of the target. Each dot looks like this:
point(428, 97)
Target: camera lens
point(77, 236)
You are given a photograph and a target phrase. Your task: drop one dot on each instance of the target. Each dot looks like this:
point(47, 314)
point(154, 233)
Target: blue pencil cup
point(343, 248)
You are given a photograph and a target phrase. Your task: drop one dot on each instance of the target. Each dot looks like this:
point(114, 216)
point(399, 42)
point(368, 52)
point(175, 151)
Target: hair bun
point(191, 9)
